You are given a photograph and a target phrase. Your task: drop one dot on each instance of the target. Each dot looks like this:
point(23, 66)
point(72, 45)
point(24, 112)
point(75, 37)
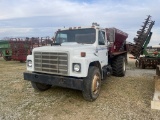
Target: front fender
point(85, 62)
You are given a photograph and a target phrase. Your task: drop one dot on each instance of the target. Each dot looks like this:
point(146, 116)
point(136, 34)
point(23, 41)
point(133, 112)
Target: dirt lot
point(126, 97)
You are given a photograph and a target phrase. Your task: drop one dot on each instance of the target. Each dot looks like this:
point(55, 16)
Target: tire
point(119, 66)
point(136, 63)
point(7, 58)
point(22, 61)
point(154, 66)
point(143, 65)
point(40, 86)
point(92, 84)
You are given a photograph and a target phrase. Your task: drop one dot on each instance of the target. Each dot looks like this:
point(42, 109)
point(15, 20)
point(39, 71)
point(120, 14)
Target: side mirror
point(111, 35)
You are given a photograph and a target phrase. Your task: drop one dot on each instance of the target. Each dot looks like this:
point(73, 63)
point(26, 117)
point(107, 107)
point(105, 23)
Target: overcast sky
point(40, 18)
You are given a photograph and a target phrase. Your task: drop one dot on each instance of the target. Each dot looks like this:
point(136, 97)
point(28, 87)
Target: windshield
point(84, 36)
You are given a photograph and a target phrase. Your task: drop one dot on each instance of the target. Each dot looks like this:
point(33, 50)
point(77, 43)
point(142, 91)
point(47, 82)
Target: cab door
point(102, 48)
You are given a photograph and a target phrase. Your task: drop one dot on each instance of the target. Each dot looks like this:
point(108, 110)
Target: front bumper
point(55, 80)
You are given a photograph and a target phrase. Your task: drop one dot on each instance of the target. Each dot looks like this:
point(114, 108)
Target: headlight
point(29, 62)
point(77, 67)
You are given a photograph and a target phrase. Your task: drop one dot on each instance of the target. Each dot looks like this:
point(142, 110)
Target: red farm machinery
point(21, 47)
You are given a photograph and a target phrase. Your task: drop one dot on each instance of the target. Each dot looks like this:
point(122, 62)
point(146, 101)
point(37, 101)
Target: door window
point(101, 38)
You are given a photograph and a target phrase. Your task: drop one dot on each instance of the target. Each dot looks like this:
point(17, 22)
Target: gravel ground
point(121, 98)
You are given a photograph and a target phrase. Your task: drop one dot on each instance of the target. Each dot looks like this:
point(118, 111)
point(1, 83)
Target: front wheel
point(40, 86)
point(92, 84)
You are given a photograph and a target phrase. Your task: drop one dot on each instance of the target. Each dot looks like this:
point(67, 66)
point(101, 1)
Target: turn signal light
point(83, 54)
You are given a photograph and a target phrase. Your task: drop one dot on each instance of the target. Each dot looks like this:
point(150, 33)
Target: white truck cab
point(77, 59)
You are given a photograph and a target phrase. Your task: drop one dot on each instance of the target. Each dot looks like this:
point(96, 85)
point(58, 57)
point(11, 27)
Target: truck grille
point(53, 63)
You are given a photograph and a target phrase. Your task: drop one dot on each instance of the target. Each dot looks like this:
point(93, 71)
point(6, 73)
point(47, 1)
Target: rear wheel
point(40, 86)
point(119, 66)
point(92, 84)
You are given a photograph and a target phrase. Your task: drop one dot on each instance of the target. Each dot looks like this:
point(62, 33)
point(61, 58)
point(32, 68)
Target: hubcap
point(95, 83)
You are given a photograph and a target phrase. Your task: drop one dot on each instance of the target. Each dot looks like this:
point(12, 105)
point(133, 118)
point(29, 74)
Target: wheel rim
point(96, 84)
point(124, 66)
point(136, 63)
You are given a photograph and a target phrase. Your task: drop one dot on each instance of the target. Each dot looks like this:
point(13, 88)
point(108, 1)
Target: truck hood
point(66, 47)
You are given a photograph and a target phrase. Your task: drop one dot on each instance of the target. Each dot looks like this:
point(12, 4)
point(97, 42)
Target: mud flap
point(155, 104)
